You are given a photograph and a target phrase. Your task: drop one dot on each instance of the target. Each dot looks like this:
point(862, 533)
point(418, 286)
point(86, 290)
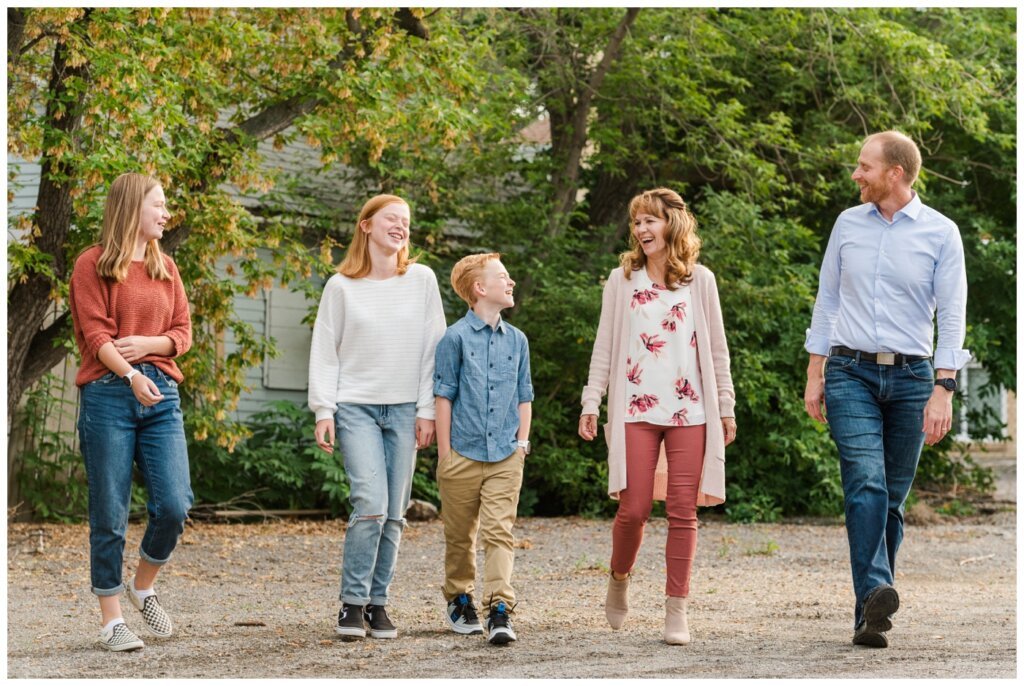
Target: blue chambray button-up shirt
point(485, 373)
point(882, 282)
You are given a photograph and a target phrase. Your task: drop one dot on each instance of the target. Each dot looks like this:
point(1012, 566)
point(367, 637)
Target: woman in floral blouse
point(661, 355)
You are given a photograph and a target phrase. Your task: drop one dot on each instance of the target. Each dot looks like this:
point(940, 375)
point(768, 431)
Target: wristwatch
point(525, 445)
point(127, 378)
point(948, 384)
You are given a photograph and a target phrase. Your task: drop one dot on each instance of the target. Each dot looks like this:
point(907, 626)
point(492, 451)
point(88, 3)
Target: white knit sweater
point(373, 342)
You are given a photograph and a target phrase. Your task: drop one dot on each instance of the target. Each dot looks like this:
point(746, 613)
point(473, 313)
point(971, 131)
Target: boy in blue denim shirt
point(483, 407)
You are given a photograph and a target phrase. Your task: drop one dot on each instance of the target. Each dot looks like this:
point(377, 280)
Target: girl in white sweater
point(371, 367)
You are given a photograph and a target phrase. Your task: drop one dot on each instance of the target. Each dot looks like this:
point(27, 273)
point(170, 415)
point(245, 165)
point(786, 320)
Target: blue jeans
point(876, 418)
point(115, 430)
point(378, 443)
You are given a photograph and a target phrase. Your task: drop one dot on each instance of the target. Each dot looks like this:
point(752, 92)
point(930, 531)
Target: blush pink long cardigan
point(608, 371)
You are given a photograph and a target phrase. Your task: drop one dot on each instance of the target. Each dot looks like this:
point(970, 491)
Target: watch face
point(948, 384)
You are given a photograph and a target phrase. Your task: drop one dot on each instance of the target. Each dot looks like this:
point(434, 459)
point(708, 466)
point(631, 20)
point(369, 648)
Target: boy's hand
point(424, 432)
point(588, 427)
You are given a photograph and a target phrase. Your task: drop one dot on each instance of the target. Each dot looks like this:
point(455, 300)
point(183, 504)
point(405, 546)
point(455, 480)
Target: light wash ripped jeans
point(378, 443)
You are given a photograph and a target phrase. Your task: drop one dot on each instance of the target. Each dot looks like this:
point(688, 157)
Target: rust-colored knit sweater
point(104, 310)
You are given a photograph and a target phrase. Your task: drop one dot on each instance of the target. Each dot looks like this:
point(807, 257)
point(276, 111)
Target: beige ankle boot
point(616, 604)
point(677, 631)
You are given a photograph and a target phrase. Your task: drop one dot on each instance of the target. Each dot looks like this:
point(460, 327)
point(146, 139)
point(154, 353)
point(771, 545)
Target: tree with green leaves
point(187, 95)
point(755, 116)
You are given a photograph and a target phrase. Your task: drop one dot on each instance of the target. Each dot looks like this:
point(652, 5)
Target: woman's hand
point(424, 432)
point(729, 428)
point(588, 427)
point(145, 390)
point(324, 433)
point(134, 348)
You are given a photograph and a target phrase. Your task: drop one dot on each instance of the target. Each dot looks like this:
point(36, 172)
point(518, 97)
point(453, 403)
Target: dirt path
point(767, 601)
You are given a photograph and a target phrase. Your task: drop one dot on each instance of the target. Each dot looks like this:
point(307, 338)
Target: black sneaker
point(881, 602)
point(462, 617)
point(380, 624)
point(350, 622)
point(864, 635)
point(499, 626)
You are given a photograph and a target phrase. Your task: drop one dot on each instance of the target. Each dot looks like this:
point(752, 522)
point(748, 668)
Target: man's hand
point(938, 415)
point(814, 393)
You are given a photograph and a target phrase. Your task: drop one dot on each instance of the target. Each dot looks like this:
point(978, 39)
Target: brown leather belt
point(887, 359)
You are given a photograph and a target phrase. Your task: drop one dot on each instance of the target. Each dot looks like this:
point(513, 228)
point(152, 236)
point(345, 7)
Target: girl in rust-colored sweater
point(131, 320)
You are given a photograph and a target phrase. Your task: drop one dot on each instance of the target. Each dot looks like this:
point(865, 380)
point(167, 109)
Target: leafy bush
point(51, 481)
point(279, 466)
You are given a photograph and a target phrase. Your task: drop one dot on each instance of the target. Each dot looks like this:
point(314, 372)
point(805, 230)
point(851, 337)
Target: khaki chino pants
point(479, 496)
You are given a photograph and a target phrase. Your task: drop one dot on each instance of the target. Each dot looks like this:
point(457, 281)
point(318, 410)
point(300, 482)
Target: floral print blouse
point(663, 379)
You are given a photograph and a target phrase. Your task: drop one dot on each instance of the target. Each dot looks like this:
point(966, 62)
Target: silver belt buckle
point(885, 358)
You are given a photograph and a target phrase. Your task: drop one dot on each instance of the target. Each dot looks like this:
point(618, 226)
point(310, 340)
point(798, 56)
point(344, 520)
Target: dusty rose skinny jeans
point(684, 449)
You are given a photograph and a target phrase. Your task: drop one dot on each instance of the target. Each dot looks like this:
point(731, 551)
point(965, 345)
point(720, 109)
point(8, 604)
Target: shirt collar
point(911, 209)
point(478, 323)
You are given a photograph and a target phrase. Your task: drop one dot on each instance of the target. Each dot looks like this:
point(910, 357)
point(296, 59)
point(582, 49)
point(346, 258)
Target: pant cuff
point(378, 600)
point(152, 560)
point(352, 600)
point(106, 592)
point(509, 602)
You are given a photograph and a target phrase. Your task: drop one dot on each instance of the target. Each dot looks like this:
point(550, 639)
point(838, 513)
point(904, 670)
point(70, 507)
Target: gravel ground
point(768, 600)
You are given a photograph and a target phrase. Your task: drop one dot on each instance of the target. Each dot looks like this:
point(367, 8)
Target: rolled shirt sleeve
point(525, 382)
point(951, 304)
point(447, 367)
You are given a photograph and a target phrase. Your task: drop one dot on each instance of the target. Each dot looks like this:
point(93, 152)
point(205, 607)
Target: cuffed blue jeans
point(116, 431)
point(876, 418)
point(378, 443)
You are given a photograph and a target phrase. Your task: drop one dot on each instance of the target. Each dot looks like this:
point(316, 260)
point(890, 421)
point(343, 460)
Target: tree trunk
point(29, 302)
point(575, 133)
point(16, 22)
point(31, 350)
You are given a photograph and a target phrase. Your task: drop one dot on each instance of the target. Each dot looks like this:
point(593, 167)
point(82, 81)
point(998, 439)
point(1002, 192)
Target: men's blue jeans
point(115, 431)
point(378, 443)
point(876, 418)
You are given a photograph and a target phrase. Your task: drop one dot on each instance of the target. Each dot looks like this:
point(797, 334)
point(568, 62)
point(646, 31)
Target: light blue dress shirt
point(881, 282)
point(485, 373)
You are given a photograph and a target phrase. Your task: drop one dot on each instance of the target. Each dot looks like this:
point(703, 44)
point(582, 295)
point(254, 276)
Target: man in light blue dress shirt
point(890, 265)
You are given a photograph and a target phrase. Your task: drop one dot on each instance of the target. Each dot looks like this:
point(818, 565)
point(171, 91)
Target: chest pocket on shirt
point(474, 366)
point(508, 365)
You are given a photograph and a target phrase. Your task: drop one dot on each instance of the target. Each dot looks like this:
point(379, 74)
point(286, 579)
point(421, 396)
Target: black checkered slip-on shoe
point(157, 621)
point(119, 638)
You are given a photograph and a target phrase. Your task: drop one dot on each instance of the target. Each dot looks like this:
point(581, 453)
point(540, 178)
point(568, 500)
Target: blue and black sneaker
point(499, 626)
point(461, 615)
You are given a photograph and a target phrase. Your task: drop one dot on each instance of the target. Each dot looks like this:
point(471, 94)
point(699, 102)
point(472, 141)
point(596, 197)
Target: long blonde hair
point(681, 239)
point(356, 263)
point(120, 230)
